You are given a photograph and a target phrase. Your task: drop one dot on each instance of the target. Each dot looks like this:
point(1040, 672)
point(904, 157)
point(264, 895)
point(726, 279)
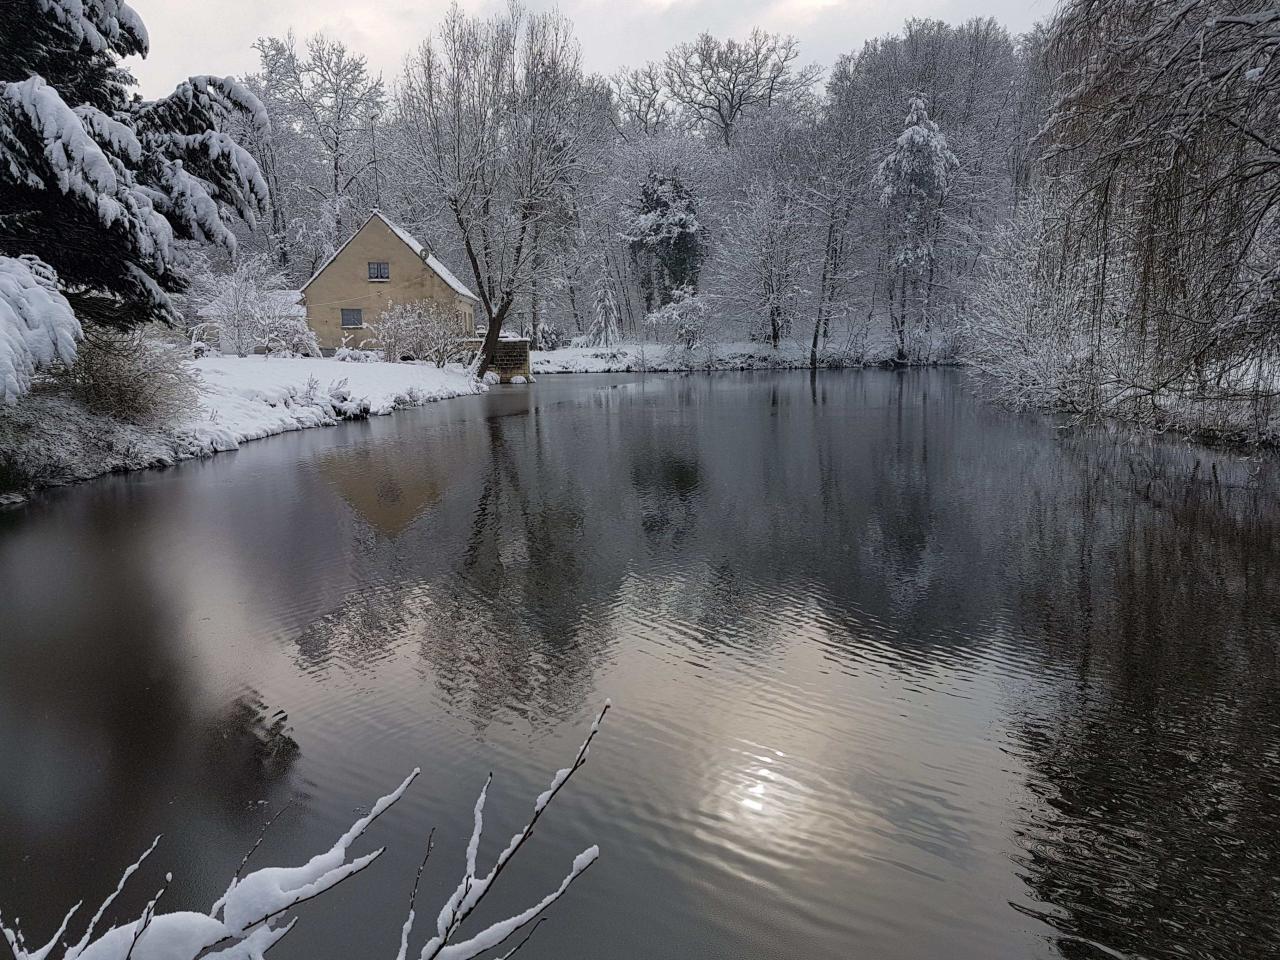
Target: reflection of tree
point(248, 748)
point(1154, 776)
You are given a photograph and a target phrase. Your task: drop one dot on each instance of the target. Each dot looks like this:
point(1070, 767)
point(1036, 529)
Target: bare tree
point(330, 96)
point(715, 81)
point(495, 116)
point(641, 100)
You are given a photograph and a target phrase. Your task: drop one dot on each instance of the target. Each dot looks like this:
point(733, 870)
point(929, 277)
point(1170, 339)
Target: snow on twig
point(247, 920)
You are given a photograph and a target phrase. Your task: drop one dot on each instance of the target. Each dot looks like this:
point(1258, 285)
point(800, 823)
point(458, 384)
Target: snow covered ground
point(50, 437)
point(657, 357)
point(252, 397)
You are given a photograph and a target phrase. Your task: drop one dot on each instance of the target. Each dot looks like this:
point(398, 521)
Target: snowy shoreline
point(51, 438)
point(662, 358)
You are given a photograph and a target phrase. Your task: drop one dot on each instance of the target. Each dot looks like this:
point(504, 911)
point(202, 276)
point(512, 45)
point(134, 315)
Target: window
point(379, 270)
point(352, 318)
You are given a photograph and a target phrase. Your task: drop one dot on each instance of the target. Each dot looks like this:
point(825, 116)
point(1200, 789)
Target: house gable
point(343, 284)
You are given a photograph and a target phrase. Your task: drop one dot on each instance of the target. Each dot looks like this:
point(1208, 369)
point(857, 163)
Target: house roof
point(408, 239)
point(287, 302)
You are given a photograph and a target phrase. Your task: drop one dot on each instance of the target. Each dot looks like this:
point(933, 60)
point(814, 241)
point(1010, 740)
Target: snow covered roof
point(410, 241)
point(287, 302)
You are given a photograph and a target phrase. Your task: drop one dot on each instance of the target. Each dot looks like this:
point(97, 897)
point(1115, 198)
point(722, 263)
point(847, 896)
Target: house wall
point(345, 283)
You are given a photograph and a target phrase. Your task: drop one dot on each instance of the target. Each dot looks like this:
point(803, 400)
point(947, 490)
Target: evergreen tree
point(913, 181)
point(100, 185)
point(666, 239)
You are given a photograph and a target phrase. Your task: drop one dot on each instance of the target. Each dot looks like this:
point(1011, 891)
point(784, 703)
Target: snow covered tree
point(605, 322)
point(250, 309)
point(716, 81)
point(330, 102)
point(495, 118)
point(420, 330)
point(665, 238)
point(99, 186)
point(913, 181)
point(37, 326)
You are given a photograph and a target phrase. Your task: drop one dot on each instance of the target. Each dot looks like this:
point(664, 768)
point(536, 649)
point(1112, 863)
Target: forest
point(1084, 214)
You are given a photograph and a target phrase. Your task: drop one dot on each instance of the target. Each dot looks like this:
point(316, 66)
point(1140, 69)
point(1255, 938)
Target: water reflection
point(897, 674)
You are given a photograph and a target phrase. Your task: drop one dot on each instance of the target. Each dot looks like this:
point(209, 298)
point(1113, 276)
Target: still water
point(895, 674)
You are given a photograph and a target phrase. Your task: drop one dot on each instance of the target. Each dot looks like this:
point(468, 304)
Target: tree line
point(727, 191)
point(1085, 214)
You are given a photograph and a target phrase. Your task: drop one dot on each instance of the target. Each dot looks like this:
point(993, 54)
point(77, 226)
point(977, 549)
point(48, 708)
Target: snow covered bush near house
point(250, 310)
point(254, 913)
point(420, 330)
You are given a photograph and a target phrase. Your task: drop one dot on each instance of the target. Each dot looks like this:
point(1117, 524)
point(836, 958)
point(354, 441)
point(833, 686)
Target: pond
point(895, 674)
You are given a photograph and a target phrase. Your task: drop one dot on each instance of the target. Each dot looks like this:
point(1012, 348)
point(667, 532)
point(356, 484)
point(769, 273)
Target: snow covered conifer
point(666, 238)
point(913, 181)
point(99, 185)
point(606, 321)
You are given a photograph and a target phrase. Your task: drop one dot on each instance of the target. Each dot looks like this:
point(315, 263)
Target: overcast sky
point(196, 36)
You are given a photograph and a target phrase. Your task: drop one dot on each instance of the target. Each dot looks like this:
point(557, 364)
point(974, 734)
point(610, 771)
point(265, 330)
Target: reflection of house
point(381, 264)
point(386, 486)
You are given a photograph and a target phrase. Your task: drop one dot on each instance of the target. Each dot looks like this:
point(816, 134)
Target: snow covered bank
point(661, 358)
point(51, 437)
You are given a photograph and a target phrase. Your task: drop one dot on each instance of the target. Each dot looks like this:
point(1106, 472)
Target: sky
point(196, 36)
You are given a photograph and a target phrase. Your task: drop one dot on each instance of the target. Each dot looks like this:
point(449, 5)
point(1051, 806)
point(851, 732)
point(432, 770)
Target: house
point(381, 264)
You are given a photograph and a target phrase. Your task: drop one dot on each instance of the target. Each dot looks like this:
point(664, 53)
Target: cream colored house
point(381, 264)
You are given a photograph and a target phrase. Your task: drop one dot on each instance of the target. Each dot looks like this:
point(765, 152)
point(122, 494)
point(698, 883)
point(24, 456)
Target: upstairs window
point(379, 270)
point(352, 317)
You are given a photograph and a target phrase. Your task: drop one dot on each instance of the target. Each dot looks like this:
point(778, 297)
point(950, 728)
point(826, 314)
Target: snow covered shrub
point(420, 330)
point(37, 325)
point(683, 321)
point(1024, 333)
point(250, 309)
point(253, 915)
point(136, 376)
point(548, 336)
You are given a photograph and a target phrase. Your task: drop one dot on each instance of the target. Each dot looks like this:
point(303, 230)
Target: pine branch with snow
point(37, 325)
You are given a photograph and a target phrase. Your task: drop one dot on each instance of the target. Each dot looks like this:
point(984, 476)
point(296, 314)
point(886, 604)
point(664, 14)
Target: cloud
point(189, 37)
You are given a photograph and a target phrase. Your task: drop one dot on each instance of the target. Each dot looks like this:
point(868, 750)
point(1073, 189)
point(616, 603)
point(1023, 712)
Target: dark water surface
point(895, 674)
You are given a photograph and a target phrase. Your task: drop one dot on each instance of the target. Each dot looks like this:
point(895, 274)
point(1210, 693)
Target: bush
point(683, 321)
point(136, 376)
point(421, 330)
point(250, 310)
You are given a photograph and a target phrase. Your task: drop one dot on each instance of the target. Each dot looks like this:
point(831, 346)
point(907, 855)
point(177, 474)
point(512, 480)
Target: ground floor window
point(352, 317)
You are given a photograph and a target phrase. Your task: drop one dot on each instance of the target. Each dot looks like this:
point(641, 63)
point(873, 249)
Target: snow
point(252, 397)
point(37, 324)
point(52, 438)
